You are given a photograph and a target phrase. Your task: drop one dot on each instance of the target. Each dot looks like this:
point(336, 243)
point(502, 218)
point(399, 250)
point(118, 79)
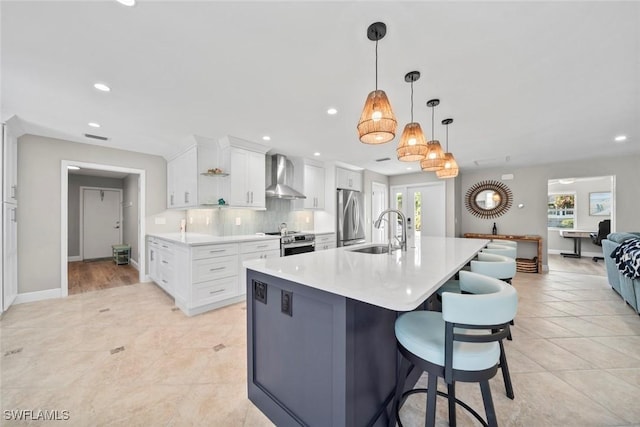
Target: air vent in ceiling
point(101, 138)
point(384, 159)
point(492, 161)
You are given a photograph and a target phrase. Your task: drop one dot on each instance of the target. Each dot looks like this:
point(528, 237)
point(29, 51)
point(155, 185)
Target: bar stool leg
point(505, 372)
point(403, 371)
point(451, 391)
point(488, 404)
point(432, 394)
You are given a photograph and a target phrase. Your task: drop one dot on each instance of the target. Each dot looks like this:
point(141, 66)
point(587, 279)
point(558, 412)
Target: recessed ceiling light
point(316, 154)
point(332, 111)
point(621, 138)
point(409, 168)
point(102, 87)
point(94, 124)
point(127, 2)
point(266, 138)
point(73, 168)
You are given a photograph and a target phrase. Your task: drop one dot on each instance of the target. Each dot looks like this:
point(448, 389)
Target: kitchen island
point(320, 328)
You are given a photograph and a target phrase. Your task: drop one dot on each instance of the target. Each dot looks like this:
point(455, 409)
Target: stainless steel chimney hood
point(279, 188)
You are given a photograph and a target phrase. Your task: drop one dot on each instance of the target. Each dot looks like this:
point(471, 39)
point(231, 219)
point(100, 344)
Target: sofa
point(629, 289)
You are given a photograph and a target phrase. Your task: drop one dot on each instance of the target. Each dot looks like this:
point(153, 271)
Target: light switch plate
point(238, 220)
point(160, 220)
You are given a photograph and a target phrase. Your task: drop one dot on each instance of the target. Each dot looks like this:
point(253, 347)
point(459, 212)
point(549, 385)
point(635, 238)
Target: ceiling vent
point(384, 159)
point(101, 138)
point(492, 162)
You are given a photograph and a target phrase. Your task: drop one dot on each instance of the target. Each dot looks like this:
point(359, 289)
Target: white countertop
point(400, 282)
point(197, 239)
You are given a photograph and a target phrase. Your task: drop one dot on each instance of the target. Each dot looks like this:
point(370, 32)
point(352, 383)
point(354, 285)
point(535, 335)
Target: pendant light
point(412, 146)
point(434, 159)
point(377, 123)
point(450, 169)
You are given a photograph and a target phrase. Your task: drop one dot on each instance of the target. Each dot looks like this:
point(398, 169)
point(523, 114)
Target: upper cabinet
point(10, 165)
point(309, 180)
point(348, 179)
point(188, 184)
point(245, 163)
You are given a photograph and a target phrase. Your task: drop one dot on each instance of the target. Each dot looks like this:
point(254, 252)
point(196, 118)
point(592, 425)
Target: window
point(561, 210)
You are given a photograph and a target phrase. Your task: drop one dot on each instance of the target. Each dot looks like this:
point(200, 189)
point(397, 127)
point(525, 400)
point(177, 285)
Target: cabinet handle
point(217, 250)
point(252, 197)
point(165, 246)
point(151, 255)
point(14, 191)
point(164, 281)
point(171, 199)
point(14, 214)
point(186, 197)
point(262, 246)
point(217, 268)
point(216, 292)
point(164, 262)
point(247, 197)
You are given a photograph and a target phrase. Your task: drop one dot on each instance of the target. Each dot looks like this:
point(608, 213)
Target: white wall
point(39, 175)
point(529, 186)
point(368, 178)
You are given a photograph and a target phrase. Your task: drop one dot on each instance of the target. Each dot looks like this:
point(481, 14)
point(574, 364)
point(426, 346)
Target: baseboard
point(134, 264)
point(38, 296)
point(74, 258)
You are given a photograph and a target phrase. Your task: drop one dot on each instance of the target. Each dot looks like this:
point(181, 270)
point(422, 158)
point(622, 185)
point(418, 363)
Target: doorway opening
point(101, 206)
point(424, 206)
point(379, 194)
point(576, 209)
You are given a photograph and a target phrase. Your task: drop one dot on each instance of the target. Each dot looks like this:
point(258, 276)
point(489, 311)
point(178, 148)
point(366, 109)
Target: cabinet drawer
point(165, 259)
point(260, 246)
point(210, 251)
point(215, 290)
point(214, 268)
point(325, 238)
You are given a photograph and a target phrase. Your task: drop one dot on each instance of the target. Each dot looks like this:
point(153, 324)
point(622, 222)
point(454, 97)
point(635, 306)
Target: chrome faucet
point(403, 219)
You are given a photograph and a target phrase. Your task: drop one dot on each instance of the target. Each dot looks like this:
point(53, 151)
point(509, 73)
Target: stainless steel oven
point(297, 244)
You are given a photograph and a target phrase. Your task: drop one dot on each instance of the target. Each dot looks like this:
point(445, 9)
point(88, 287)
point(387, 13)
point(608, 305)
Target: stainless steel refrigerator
point(350, 230)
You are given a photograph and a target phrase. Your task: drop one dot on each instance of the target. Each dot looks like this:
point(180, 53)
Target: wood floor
point(86, 276)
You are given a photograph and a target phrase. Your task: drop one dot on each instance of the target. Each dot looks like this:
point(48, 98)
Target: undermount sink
point(375, 249)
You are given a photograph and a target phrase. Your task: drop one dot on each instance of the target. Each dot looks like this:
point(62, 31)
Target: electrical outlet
point(160, 220)
point(190, 220)
point(260, 291)
point(238, 220)
point(308, 220)
point(286, 302)
point(208, 220)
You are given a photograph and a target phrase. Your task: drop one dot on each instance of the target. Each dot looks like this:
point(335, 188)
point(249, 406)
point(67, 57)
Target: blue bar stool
point(445, 345)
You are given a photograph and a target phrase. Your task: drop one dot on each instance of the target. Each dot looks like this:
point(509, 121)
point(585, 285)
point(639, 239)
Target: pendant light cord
point(432, 123)
point(447, 137)
point(411, 101)
point(376, 65)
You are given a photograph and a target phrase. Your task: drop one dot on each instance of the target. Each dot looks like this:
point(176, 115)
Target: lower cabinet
point(255, 250)
point(203, 278)
point(325, 241)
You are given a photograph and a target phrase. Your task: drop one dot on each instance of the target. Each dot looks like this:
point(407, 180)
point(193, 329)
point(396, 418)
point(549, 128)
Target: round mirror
point(488, 199)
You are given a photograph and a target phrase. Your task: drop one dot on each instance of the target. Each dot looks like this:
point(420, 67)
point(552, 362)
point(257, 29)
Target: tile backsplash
point(224, 221)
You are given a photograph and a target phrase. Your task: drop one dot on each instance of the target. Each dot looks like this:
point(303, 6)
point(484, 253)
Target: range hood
point(279, 188)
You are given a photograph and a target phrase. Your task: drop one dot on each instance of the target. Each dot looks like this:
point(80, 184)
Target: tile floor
point(126, 356)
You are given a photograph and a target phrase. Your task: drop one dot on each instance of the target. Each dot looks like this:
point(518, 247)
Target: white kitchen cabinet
point(208, 278)
point(162, 263)
point(182, 179)
point(325, 241)
point(255, 250)
point(188, 184)
point(348, 179)
point(245, 163)
point(309, 180)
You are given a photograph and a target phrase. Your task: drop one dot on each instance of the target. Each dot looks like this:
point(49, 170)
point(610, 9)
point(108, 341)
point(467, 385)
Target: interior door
point(101, 222)
point(427, 210)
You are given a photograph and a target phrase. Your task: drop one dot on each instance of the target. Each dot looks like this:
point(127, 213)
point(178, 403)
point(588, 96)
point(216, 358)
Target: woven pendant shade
point(377, 123)
point(450, 169)
point(434, 160)
point(413, 146)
